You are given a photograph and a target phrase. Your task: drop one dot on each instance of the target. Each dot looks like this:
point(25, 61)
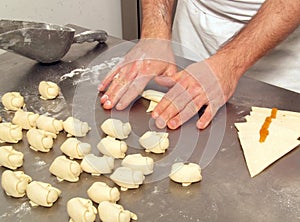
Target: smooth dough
point(153, 95)
point(40, 140)
point(14, 183)
point(81, 210)
point(65, 169)
point(48, 90)
point(49, 124)
point(139, 162)
point(127, 178)
point(42, 194)
point(97, 165)
point(13, 101)
point(151, 106)
point(26, 120)
point(110, 146)
point(10, 158)
point(116, 128)
point(10, 133)
point(111, 212)
point(155, 142)
point(100, 191)
point(75, 149)
point(185, 173)
point(75, 127)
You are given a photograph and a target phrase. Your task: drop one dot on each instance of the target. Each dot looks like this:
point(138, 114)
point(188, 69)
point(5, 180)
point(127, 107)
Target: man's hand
point(150, 58)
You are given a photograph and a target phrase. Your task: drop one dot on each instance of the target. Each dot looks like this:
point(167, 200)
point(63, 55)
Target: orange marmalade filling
point(264, 132)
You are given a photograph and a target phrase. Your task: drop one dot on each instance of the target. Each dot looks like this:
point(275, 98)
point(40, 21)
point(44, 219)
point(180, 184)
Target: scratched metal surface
point(227, 193)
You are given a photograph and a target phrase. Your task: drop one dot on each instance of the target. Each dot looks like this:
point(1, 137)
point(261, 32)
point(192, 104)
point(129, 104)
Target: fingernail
point(154, 115)
point(107, 104)
point(172, 124)
point(119, 106)
point(202, 125)
point(104, 98)
point(100, 86)
point(160, 123)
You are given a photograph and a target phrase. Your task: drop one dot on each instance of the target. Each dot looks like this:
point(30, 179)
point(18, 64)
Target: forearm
point(157, 18)
point(275, 20)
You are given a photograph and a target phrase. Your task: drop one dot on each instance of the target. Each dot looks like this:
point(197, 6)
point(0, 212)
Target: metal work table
point(226, 193)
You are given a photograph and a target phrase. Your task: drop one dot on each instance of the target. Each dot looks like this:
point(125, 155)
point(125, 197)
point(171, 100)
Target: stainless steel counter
point(227, 193)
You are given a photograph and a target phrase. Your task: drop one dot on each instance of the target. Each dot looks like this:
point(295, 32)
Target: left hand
point(196, 86)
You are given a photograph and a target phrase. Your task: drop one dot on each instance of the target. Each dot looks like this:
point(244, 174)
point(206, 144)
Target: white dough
point(10, 158)
point(14, 183)
point(65, 169)
point(110, 146)
point(153, 95)
point(152, 106)
point(26, 120)
point(75, 127)
point(10, 133)
point(49, 124)
point(127, 178)
point(75, 149)
point(100, 191)
point(155, 142)
point(185, 173)
point(111, 212)
point(81, 210)
point(48, 90)
point(138, 162)
point(116, 128)
point(12, 101)
point(96, 165)
point(42, 194)
point(40, 140)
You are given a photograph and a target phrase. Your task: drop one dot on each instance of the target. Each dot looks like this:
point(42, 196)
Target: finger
point(166, 79)
point(134, 89)
point(187, 113)
point(107, 80)
point(206, 118)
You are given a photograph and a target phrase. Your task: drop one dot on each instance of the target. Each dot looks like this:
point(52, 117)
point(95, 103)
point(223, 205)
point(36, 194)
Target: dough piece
point(153, 95)
point(116, 128)
point(26, 120)
point(110, 146)
point(40, 140)
point(65, 169)
point(185, 173)
point(138, 162)
point(75, 149)
point(100, 191)
point(127, 178)
point(75, 127)
point(49, 124)
point(155, 142)
point(14, 183)
point(96, 165)
point(111, 212)
point(0, 119)
point(12, 101)
point(10, 158)
point(10, 133)
point(81, 210)
point(152, 106)
point(48, 90)
point(42, 194)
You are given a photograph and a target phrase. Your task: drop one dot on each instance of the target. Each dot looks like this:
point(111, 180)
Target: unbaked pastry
point(112, 212)
point(65, 169)
point(26, 120)
point(10, 158)
point(127, 178)
point(48, 90)
point(14, 183)
point(75, 127)
point(97, 165)
point(10, 133)
point(42, 194)
point(75, 149)
point(155, 142)
point(49, 124)
point(116, 128)
point(40, 140)
point(153, 95)
point(81, 210)
point(110, 146)
point(100, 191)
point(12, 101)
point(139, 162)
point(185, 173)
